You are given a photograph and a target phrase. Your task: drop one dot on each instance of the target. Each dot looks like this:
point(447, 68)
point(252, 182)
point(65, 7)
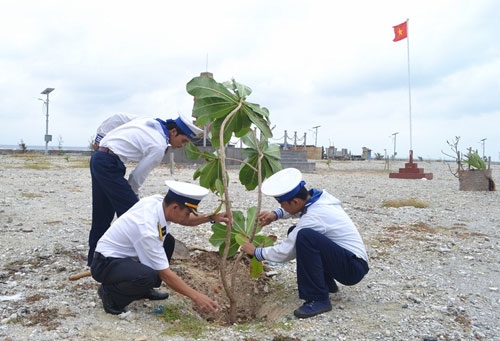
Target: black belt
point(107, 150)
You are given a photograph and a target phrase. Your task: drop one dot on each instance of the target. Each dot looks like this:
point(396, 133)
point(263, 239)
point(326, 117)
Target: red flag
point(400, 31)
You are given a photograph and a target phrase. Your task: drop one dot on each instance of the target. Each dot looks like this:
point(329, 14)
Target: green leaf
point(208, 109)
point(209, 173)
point(241, 90)
point(270, 161)
point(219, 235)
point(192, 152)
point(256, 268)
point(233, 248)
point(240, 238)
point(219, 187)
point(273, 151)
point(262, 241)
point(228, 131)
point(264, 112)
point(270, 165)
point(203, 87)
point(238, 222)
point(475, 161)
point(250, 141)
point(218, 239)
point(251, 217)
point(212, 99)
point(261, 123)
point(248, 177)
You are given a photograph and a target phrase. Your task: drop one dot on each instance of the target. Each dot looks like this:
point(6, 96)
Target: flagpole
point(409, 79)
point(411, 170)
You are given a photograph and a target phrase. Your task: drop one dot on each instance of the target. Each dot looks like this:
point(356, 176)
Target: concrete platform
point(297, 159)
point(411, 171)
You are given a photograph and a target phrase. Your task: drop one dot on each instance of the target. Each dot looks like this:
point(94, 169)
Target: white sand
point(434, 271)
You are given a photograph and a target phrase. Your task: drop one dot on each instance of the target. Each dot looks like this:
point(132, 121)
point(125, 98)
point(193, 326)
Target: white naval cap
point(187, 126)
point(185, 193)
point(283, 185)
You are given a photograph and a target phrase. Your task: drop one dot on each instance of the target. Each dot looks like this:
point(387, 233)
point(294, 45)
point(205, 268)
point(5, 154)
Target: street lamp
point(48, 137)
point(394, 156)
point(316, 135)
point(482, 141)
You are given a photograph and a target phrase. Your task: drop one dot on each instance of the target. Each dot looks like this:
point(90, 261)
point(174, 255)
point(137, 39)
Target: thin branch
point(229, 291)
point(259, 203)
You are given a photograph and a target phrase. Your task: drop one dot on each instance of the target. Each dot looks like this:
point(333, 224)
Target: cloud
point(314, 63)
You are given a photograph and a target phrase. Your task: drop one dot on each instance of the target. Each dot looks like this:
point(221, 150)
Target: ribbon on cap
point(291, 194)
point(186, 201)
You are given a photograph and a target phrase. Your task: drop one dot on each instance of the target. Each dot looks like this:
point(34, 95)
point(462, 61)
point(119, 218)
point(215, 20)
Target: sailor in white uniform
point(109, 124)
point(133, 256)
point(140, 140)
point(325, 241)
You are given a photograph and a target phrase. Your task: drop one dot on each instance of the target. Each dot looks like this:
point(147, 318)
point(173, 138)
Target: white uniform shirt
point(327, 217)
point(135, 234)
point(141, 140)
point(111, 123)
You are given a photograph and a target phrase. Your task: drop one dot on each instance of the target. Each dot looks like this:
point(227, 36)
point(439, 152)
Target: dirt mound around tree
point(257, 298)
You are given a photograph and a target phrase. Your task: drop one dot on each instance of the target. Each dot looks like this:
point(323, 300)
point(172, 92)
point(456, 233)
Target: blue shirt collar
point(163, 125)
point(315, 195)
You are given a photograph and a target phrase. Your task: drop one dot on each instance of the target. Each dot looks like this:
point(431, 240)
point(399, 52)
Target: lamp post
point(482, 141)
point(48, 137)
point(394, 156)
point(316, 135)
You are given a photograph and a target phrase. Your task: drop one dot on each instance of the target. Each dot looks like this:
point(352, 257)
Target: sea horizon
point(28, 147)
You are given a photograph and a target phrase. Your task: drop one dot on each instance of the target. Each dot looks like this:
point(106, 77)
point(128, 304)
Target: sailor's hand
point(266, 217)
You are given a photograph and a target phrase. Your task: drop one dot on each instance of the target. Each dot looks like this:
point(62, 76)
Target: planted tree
point(224, 109)
point(477, 173)
point(472, 160)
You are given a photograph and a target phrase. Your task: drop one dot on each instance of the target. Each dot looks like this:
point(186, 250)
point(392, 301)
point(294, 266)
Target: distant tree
point(24, 148)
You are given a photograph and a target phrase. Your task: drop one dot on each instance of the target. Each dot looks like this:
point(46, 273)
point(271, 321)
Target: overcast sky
point(331, 64)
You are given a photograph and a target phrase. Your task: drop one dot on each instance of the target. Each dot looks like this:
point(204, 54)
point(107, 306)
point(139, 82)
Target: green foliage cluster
point(223, 107)
point(472, 159)
point(214, 102)
point(475, 161)
point(241, 231)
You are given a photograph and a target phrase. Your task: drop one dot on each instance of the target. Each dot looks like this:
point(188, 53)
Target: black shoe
point(332, 286)
point(313, 308)
point(107, 302)
point(156, 295)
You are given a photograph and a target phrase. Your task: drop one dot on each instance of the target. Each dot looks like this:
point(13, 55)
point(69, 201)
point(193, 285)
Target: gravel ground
point(434, 271)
